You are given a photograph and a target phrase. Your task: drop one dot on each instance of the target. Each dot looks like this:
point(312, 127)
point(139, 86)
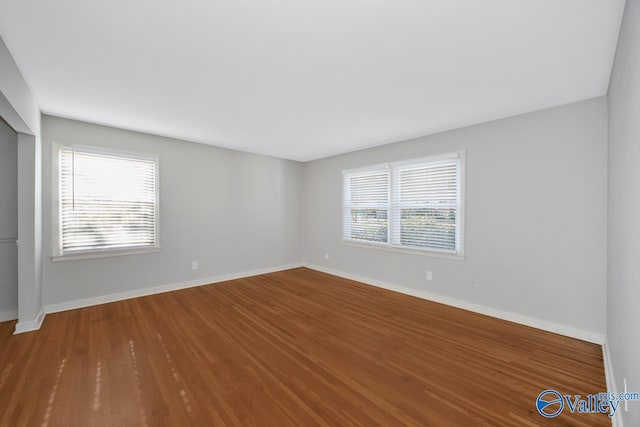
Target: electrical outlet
point(326, 256)
point(194, 265)
point(429, 275)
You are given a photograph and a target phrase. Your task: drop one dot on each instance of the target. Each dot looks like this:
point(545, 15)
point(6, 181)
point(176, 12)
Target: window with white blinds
point(366, 206)
point(411, 205)
point(106, 201)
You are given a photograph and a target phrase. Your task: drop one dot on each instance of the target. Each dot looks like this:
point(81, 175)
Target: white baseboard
point(30, 325)
point(557, 328)
point(103, 299)
point(489, 311)
point(610, 378)
point(5, 316)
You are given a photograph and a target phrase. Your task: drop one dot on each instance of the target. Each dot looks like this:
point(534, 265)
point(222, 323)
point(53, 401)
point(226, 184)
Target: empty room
point(320, 213)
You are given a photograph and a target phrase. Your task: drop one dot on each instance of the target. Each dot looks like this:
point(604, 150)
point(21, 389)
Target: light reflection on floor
point(136, 377)
point(96, 394)
point(52, 396)
point(176, 377)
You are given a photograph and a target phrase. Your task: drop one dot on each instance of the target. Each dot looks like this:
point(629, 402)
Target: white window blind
point(106, 201)
point(366, 206)
point(412, 205)
point(426, 205)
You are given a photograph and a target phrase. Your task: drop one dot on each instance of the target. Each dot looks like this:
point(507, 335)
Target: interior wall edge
point(610, 379)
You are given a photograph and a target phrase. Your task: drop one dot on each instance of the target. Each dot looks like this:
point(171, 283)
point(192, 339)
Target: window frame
point(459, 254)
point(56, 234)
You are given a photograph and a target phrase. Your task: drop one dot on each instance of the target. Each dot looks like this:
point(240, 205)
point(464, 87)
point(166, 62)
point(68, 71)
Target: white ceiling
point(305, 79)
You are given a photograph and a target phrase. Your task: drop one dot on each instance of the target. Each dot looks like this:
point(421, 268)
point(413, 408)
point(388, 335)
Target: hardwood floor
point(290, 348)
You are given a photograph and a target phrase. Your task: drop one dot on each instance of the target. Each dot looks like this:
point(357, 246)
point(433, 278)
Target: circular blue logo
point(549, 403)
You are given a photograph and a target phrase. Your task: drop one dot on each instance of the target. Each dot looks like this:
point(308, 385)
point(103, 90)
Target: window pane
point(369, 189)
point(428, 184)
point(433, 228)
point(366, 206)
point(106, 201)
point(369, 225)
point(426, 205)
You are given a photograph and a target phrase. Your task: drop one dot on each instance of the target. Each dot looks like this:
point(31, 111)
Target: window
point(105, 201)
point(367, 202)
point(410, 205)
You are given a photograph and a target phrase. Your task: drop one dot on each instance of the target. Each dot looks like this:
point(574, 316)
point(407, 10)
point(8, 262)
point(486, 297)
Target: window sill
point(104, 254)
point(419, 252)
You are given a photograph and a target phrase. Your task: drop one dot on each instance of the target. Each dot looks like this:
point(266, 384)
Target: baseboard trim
point(465, 305)
point(609, 376)
point(120, 296)
point(30, 325)
point(6, 316)
point(477, 308)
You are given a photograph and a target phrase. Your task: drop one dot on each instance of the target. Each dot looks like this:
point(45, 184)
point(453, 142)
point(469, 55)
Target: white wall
point(535, 217)
point(8, 222)
point(231, 211)
point(623, 314)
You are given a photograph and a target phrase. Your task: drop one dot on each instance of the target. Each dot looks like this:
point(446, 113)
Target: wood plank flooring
point(296, 348)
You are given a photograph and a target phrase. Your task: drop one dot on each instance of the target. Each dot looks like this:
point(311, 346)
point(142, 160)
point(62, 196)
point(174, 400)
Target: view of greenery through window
point(369, 224)
point(439, 224)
